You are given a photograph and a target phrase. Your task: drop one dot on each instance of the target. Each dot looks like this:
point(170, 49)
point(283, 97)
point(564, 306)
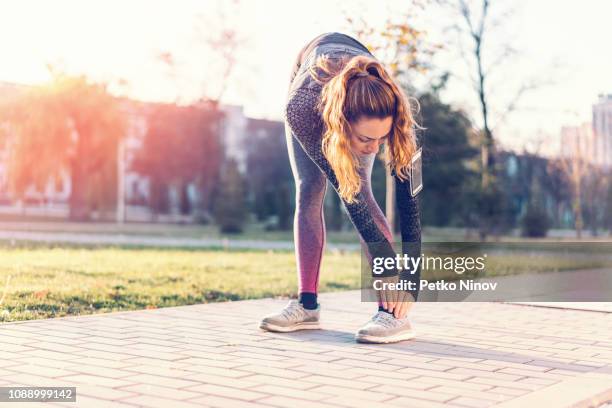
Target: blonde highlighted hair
point(356, 87)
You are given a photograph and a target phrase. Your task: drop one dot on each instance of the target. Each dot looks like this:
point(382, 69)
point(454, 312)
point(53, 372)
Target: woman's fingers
point(404, 301)
point(393, 301)
point(401, 309)
point(383, 298)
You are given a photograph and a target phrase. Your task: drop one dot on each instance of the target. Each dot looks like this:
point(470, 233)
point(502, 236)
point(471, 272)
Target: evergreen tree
point(446, 152)
point(230, 208)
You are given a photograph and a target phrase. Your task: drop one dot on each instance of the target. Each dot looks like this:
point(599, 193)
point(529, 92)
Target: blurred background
point(157, 126)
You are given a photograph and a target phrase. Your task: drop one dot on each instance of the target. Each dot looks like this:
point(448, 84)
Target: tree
point(270, 179)
point(217, 39)
point(595, 189)
point(608, 212)
point(402, 48)
point(535, 222)
point(575, 167)
point(230, 207)
point(446, 153)
point(556, 185)
point(180, 147)
point(475, 29)
point(69, 125)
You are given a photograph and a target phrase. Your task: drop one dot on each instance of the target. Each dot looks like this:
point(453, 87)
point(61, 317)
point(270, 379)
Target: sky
point(562, 45)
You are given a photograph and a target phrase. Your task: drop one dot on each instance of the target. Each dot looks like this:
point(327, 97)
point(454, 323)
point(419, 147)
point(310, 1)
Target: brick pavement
point(214, 355)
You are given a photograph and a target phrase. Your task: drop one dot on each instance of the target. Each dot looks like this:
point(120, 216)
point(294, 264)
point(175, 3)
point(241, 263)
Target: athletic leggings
point(309, 224)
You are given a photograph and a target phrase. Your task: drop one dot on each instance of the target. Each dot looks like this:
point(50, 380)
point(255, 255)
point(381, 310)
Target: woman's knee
point(310, 191)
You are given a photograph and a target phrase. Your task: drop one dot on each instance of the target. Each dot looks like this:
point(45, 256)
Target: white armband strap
point(416, 173)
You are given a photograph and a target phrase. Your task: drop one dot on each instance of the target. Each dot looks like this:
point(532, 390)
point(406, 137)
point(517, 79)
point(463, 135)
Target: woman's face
point(367, 134)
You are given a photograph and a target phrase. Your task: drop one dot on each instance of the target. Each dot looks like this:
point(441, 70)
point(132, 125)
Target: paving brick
point(95, 380)
point(464, 392)
point(43, 371)
point(204, 378)
point(432, 381)
point(279, 372)
point(537, 381)
point(300, 384)
point(393, 382)
point(90, 402)
point(519, 384)
point(223, 402)
point(224, 372)
point(223, 391)
point(159, 391)
point(159, 402)
point(331, 372)
point(107, 393)
point(277, 364)
point(529, 373)
point(508, 364)
point(351, 402)
point(414, 403)
point(163, 371)
point(160, 380)
point(313, 394)
point(471, 402)
point(197, 361)
point(506, 374)
point(280, 401)
point(360, 384)
point(449, 374)
point(99, 371)
point(514, 392)
point(368, 364)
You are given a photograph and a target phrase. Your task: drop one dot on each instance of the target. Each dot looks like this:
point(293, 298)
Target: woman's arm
point(307, 127)
point(410, 226)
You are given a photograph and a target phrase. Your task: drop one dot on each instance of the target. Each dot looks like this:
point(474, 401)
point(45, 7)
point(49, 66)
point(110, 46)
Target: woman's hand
point(403, 304)
point(388, 296)
point(395, 301)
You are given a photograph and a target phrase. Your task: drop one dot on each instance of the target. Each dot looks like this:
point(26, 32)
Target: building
point(134, 189)
point(579, 142)
point(602, 127)
point(233, 134)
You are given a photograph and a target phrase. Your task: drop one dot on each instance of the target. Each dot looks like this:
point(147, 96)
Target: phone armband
point(416, 173)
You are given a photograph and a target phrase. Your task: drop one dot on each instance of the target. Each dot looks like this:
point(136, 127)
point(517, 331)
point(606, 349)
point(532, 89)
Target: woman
point(341, 106)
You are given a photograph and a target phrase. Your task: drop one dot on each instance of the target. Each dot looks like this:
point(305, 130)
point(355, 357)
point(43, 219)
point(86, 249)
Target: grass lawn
point(39, 281)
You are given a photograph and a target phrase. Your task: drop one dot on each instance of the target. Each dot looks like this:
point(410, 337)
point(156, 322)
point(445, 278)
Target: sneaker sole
point(285, 329)
point(386, 339)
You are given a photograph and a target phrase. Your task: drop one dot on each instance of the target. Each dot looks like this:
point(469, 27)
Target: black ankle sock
point(308, 300)
point(382, 309)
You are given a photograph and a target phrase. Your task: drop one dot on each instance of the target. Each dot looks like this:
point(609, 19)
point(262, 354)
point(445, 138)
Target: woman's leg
point(308, 223)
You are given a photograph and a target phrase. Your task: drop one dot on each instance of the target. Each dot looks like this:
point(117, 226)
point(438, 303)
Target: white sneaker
point(293, 317)
point(385, 328)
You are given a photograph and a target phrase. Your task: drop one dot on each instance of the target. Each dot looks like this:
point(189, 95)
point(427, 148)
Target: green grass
point(41, 281)
point(52, 282)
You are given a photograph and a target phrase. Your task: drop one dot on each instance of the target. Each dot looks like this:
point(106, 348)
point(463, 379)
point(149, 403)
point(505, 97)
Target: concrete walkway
point(214, 355)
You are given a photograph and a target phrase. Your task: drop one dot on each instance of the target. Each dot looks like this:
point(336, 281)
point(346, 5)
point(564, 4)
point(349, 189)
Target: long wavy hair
point(355, 87)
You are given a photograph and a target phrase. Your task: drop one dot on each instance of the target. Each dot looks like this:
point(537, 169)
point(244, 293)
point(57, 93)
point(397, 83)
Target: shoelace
point(387, 320)
point(292, 311)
